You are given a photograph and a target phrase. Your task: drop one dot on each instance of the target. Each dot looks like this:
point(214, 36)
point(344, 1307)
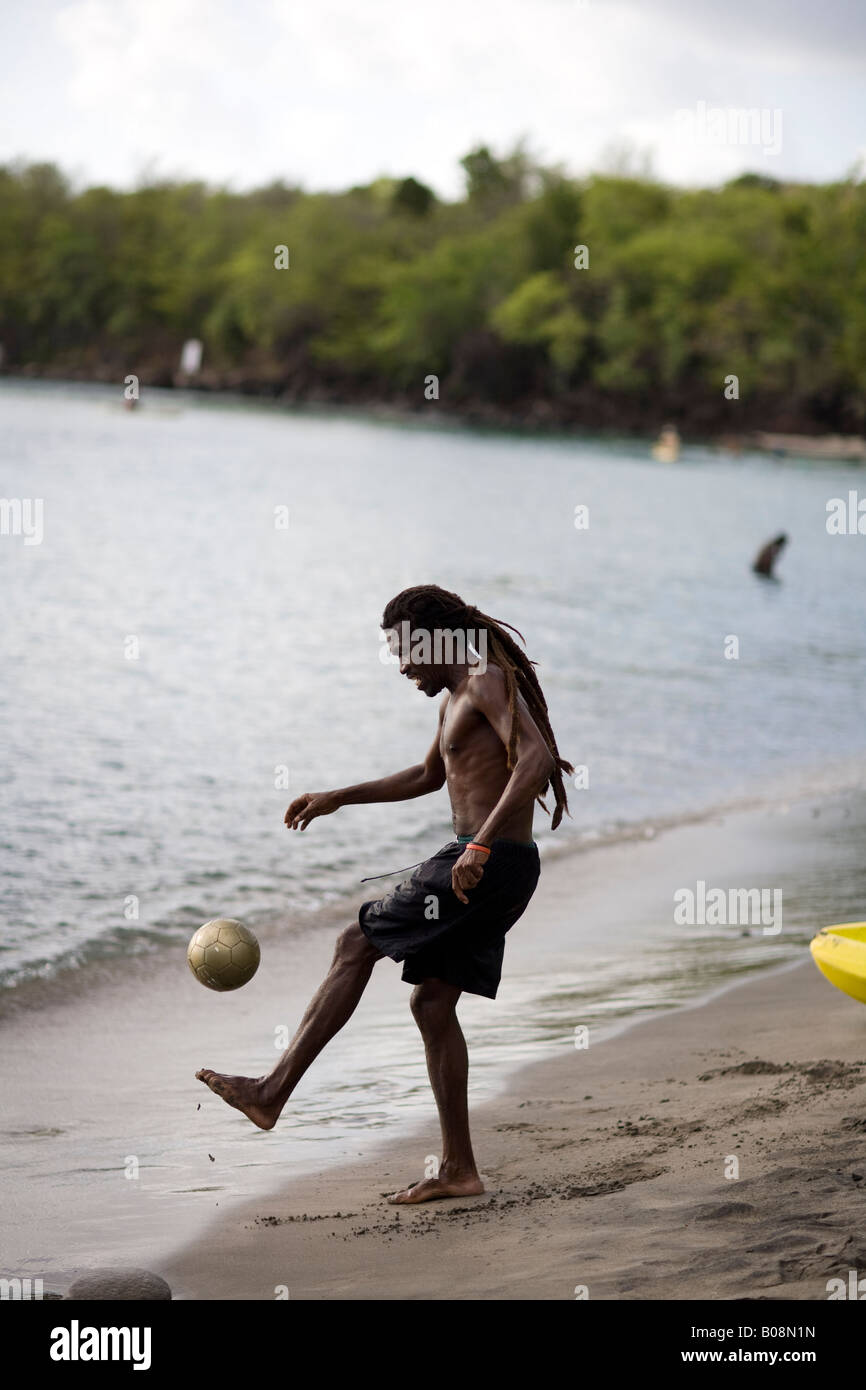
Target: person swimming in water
point(767, 556)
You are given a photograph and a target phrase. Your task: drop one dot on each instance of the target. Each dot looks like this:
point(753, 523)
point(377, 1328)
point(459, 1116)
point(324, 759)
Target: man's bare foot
point(244, 1093)
point(443, 1186)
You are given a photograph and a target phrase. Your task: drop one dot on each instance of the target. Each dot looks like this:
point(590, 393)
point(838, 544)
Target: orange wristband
point(483, 848)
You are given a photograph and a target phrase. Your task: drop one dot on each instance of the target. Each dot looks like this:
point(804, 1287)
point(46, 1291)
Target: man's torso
point(476, 770)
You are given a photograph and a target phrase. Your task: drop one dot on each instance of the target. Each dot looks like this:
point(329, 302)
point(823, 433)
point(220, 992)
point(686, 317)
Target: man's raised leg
point(262, 1098)
point(434, 1007)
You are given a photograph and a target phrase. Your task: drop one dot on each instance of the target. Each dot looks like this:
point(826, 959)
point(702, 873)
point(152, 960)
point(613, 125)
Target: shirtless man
point(495, 750)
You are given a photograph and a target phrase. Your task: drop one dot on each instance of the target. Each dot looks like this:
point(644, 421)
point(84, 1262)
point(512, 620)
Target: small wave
point(322, 904)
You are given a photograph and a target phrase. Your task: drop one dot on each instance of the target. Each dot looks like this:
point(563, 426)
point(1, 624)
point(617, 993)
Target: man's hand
point(308, 805)
point(467, 872)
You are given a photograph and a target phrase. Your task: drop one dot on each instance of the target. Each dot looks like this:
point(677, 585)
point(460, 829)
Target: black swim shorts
point(423, 923)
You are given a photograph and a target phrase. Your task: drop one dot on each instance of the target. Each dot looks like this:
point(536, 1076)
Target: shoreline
point(46, 982)
point(768, 429)
point(131, 1044)
point(591, 1184)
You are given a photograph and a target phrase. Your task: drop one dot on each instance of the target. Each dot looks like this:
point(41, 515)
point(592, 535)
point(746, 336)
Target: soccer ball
point(223, 954)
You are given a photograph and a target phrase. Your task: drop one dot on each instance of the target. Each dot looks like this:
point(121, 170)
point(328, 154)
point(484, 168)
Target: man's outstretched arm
point(419, 780)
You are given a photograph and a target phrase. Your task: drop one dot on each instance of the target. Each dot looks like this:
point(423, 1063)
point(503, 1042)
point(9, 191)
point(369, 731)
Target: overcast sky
point(328, 93)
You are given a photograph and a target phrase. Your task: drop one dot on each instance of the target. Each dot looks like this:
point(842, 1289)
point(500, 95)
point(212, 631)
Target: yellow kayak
point(840, 954)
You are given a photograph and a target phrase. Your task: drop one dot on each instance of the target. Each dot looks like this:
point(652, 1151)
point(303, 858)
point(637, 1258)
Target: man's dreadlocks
point(427, 606)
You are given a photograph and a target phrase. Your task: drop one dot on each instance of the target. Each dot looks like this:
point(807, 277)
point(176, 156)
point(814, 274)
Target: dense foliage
point(387, 285)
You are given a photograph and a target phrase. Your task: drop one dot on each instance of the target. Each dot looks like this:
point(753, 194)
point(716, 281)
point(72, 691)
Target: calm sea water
point(177, 666)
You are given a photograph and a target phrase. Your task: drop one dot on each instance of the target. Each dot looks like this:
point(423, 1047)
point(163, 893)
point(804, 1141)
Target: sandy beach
point(714, 1147)
point(606, 1169)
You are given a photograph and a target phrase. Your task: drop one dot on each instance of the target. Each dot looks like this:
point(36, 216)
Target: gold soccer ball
point(223, 954)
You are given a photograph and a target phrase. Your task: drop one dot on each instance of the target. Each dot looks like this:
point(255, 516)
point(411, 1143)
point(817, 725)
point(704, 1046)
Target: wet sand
point(606, 1168)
